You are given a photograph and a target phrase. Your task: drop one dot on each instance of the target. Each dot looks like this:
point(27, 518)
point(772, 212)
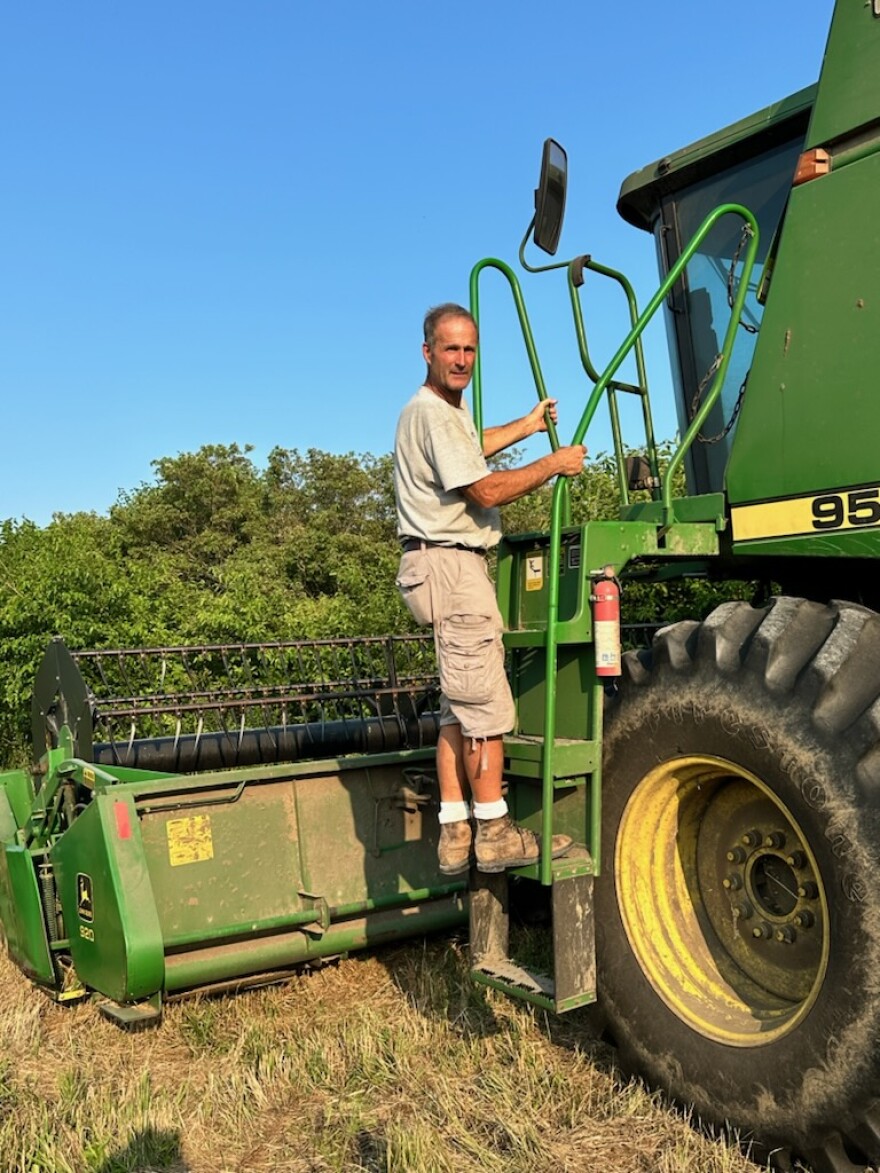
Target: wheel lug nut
point(808, 890)
point(762, 931)
point(786, 935)
point(804, 919)
point(736, 855)
point(752, 839)
point(743, 910)
point(774, 839)
point(797, 859)
point(733, 882)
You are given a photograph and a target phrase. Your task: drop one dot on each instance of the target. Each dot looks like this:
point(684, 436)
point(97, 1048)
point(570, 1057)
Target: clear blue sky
point(224, 221)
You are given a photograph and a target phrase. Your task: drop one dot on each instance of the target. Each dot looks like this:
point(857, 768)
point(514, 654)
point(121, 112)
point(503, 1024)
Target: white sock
point(490, 810)
point(453, 812)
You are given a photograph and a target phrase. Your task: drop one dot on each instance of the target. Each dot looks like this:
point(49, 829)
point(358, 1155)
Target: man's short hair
point(449, 309)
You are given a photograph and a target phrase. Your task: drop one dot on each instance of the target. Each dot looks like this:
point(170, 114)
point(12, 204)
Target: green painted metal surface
point(262, 954)
point(18, 788)
point(804, 444)
point(105, 889)
point(22, 914)
point(812, 387)
point(553, 764)
point(850, 545)
point(20, 901)
point(849, 87)
point(172, 882)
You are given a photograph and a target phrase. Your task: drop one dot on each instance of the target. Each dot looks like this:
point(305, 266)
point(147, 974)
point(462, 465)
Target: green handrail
point(560, 494)
point(660, 296)
point(640, 389)
point(494, 263)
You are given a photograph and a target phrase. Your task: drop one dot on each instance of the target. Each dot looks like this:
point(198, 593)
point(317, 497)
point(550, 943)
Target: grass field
point(387, 1061)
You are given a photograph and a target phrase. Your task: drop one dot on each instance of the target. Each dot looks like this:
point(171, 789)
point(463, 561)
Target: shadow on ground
point(152, 1150)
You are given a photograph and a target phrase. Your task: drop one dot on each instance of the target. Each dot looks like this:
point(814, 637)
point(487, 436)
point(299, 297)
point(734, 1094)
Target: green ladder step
point(577, 861)
point(573, 982)
point(572, 758)
point(568, 635)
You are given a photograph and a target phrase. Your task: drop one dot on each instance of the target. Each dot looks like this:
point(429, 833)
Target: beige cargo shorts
point(451, 590)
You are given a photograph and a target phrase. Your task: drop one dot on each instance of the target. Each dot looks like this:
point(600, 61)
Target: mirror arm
point(536, 268)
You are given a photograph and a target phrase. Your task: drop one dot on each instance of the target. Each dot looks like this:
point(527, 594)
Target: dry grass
point(390, 1061)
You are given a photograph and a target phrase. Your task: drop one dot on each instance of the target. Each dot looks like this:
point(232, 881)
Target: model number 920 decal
point(815, 513)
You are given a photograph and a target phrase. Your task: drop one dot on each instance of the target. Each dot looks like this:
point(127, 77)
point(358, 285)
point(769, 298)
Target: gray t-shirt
point(436, 451)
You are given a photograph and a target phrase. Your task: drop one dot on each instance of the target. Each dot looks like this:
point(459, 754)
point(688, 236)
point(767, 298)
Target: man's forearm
point(498, 438)
point(504, 486)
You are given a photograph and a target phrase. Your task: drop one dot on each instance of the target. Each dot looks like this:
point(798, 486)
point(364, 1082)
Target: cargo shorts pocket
point(466, 654)
point(414, 584)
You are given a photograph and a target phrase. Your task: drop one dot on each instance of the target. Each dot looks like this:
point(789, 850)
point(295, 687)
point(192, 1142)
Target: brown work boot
point(454, 850)
point(502, 843)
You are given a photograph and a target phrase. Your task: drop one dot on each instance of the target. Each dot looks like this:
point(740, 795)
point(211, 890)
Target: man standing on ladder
point(448, 518)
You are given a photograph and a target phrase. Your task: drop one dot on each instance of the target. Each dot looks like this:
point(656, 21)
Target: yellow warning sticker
point(534, 572)
point(189, 840)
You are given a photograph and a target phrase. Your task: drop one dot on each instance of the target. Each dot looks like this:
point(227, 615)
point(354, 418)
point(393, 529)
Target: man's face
point(451, 359)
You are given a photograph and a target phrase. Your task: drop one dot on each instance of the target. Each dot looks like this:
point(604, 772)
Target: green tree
point(71, 579)
point(204, 506)
point(217, 550)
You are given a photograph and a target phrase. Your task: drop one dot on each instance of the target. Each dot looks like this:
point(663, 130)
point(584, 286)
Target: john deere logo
point(84, 903)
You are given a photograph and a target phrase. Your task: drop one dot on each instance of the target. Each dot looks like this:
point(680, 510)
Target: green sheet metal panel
point(808, 421)
point(388, 831)
point(21, 912)
point(574, 677)
point(217, 860)
point(260, 861)
point(849, 89)
point(18, 787)
point(109, 908)
point(22, 915)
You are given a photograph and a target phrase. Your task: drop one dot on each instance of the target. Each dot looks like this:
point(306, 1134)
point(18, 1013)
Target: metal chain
point(698, 394)
point(745, 235)
point(727, 427)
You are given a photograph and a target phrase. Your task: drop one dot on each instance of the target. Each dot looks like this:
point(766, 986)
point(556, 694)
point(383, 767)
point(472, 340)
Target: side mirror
point(550, 197)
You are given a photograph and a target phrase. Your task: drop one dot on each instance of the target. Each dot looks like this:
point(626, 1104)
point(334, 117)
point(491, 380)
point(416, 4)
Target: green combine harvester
point(208, 818)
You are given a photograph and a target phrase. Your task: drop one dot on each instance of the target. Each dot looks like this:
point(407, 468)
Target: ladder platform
point(528, 985)
point(572, 757)
point(573, 982)
point(577, 861)
point(534, 635)
point(506, 973)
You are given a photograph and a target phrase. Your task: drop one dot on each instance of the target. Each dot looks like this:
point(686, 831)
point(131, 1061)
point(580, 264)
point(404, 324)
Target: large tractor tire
point(738, 909)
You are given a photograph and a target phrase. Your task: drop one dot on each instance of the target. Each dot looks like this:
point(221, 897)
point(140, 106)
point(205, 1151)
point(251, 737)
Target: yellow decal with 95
point(856, 508)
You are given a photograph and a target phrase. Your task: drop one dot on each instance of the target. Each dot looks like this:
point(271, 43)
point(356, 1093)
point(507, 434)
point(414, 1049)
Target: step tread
point(572, 756)
point(508, 971)
point(576, 861)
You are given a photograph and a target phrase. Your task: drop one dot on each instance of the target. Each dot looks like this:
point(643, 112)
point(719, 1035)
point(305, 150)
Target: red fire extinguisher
point(606, 622)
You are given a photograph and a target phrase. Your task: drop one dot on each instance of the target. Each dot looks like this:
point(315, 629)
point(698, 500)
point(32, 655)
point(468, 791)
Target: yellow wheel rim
point(721, 900)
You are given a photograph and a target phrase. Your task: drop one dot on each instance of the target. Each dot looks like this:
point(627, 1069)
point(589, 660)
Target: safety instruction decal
point(189, 840)
point(816, 513)
point(534, 572)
